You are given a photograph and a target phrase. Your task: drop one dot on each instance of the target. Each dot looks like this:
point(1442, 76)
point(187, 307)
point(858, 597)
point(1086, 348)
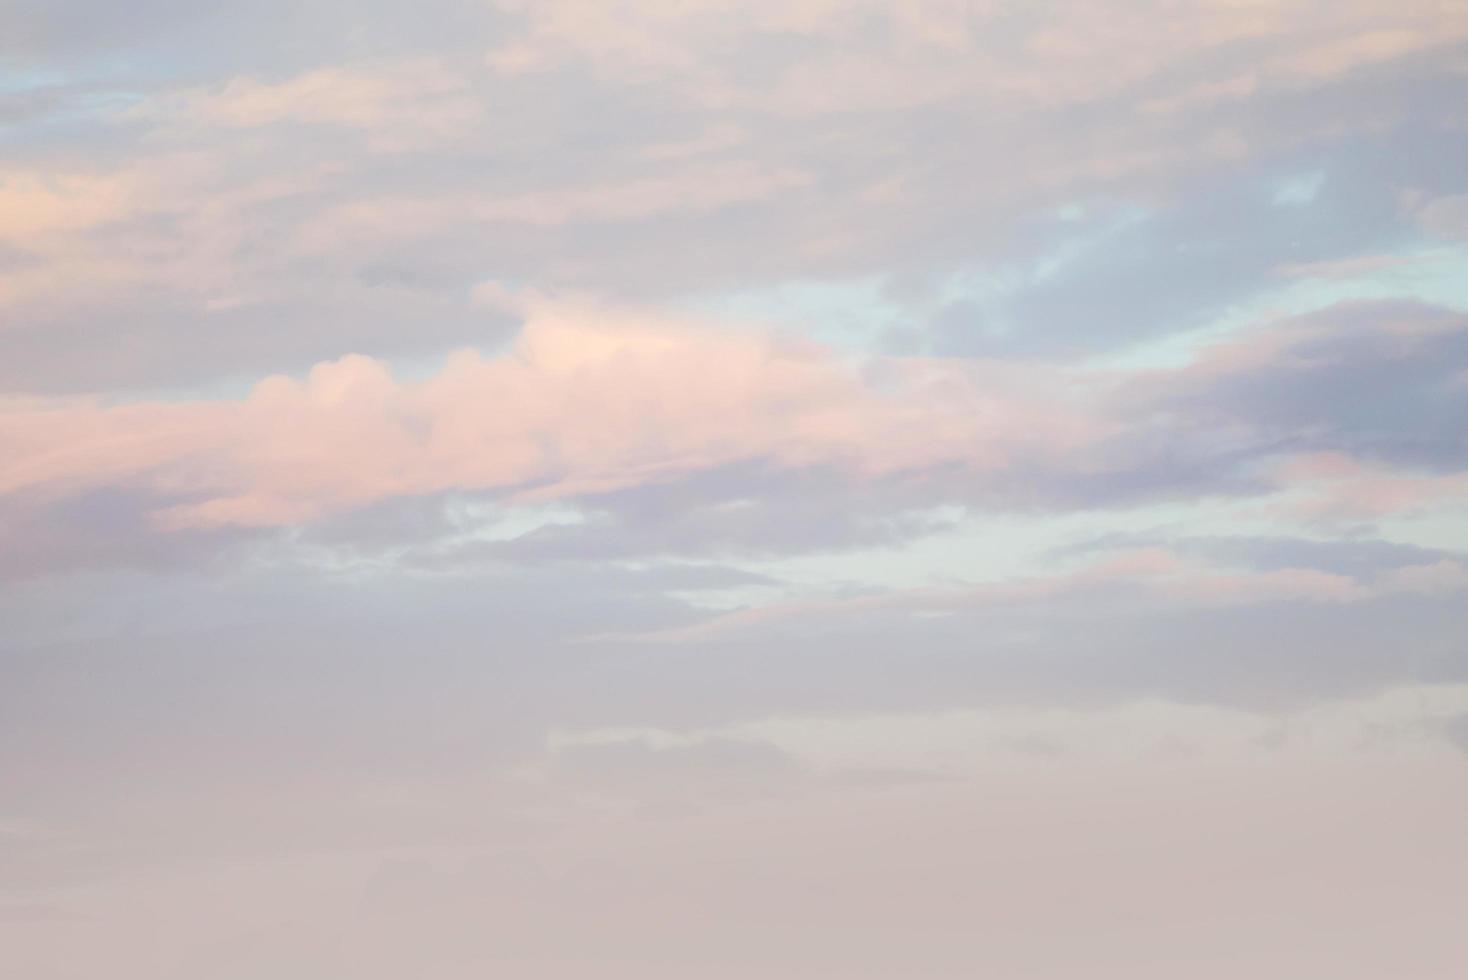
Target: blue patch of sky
point(860, 314)
point(1438, 276)
point(846, 314)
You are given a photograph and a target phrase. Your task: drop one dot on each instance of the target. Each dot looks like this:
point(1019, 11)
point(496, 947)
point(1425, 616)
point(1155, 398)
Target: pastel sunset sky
point(733, 490)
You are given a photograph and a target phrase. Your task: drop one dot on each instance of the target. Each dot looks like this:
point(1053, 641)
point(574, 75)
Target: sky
point(730, 489)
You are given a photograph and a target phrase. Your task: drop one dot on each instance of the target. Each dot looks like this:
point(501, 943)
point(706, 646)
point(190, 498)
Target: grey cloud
point(1455, 730)
point(1358, 381)
point(695, 774)
point(742, 512)
point(136, 344)
point(1359, 558)
point(14, 258)
point(157, 39)
point(1268, 656)
point(1446, 217)
point(309, 695)
point(104, 528)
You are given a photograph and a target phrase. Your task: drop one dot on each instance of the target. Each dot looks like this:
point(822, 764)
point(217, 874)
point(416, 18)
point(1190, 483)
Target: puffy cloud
point(593, 401)
point(585, 402)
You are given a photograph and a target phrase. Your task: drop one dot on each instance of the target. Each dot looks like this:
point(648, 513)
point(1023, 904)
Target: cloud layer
point(702, 489)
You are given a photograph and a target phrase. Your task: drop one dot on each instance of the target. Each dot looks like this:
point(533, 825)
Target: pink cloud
point(37, 204)
point(588, 400)
point(1334, 486)
point(400, 104)
point(696, 190)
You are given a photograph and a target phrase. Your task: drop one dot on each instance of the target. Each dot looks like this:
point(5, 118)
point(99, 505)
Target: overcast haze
point(733, 490)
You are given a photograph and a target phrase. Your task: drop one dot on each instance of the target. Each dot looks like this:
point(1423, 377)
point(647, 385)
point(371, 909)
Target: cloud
point(693, 192)
point(586, 402)
point(1357, 558)
point(605, 404)
point(400, 105)
point(1125, 272)
point(37, 205)
point(257, 235)
point(1375, 380)
point(728, 481)
point(1455, 730)
point(925, 50)
point(1335, 488)
point(695, 774)
point(1444, 217)
point(1154, 577)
